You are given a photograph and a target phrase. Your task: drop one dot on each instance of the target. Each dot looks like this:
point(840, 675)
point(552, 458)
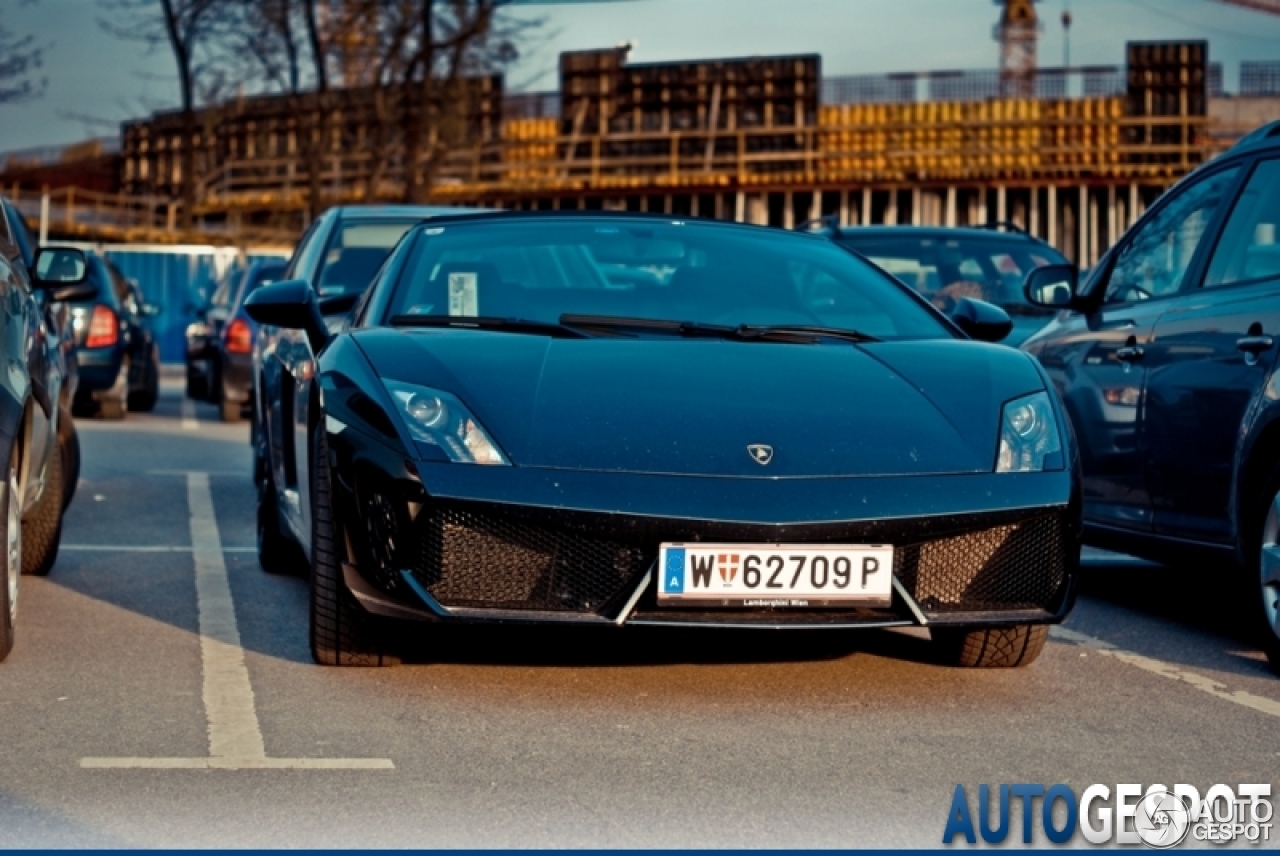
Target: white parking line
point(237, 764)
point(235, 739)
point(1261, 704)
point(189, 421)
point(228, 695)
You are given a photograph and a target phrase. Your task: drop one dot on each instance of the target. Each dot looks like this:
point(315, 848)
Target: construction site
point(1069, 154)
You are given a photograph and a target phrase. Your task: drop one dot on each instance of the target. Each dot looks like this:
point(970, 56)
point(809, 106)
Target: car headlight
point(1029, 437)
point(440, 419)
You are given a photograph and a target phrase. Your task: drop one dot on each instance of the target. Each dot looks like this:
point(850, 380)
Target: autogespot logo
point(1162, 819)
point(1156, 816)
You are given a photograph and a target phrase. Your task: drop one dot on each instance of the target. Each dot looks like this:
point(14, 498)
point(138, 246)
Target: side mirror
point(291, 304)
point(57, 266)
point(1051, 286)
point(983, 321)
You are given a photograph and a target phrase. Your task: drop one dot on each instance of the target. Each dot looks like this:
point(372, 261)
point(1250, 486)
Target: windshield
point(355, 252)
point(944, 269)
point(669, 270)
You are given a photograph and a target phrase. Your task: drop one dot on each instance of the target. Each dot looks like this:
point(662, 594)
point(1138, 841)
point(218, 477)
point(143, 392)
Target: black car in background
point(219, 354)
point(619, 419)
point(336, 258)
point(118, 357)
point(31, 494)
point(945, 264)
point(1168, 360)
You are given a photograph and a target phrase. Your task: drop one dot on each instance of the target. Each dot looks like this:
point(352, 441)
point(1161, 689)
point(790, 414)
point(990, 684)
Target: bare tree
point(191, 29)
point(459, 42)
point(20, 59)
point(426, 59)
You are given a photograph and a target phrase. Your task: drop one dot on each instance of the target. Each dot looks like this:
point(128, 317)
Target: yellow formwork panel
point(1018, 136)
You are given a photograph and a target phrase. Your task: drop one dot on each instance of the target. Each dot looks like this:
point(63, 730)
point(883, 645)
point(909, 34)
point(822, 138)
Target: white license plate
point(771, 575)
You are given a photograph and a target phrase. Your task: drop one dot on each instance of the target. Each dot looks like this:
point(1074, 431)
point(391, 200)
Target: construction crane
point(1017, 32)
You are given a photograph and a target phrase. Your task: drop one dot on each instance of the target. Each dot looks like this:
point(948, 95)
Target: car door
point(1210, 355)
point(1098, 360)
point(285, 364)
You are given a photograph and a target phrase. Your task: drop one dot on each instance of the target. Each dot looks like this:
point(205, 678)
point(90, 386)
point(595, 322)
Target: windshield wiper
point(484, 322)
point(752, 331)
point(620, 323)
point(804, 335)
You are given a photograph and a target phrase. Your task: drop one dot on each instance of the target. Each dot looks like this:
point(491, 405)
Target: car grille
point(513, 559)
point(1018, 566)
point(473, 558)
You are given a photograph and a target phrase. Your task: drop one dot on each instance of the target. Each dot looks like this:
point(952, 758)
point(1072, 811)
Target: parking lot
point(142, 707)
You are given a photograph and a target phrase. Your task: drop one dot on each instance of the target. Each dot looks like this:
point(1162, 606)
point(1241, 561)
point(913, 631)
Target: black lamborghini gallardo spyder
point(640, 420)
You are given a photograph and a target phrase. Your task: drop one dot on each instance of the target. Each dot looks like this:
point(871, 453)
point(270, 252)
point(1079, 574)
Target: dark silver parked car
point(1166, 357)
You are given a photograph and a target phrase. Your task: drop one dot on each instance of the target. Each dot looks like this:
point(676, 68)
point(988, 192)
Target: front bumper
point(523, 544)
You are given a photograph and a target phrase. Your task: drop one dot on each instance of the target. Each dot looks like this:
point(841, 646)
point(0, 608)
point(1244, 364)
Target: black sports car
point(626, 419)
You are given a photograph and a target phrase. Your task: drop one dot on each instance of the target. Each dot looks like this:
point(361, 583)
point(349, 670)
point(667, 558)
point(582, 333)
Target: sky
point(95, 80)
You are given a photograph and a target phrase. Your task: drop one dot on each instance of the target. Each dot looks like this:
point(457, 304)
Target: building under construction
point(1070, 154)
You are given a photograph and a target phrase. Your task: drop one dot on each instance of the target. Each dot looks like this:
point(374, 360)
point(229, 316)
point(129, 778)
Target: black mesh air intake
point(503, 561)
point(1018, 566)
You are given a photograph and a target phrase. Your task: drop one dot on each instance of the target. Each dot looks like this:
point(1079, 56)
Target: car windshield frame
point(918, 247)
point(808, 264)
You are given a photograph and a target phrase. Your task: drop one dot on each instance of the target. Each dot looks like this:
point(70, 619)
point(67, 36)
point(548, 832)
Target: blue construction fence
point(179, 280)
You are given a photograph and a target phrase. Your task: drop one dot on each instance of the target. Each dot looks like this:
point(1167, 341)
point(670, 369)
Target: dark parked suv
point(1167, 360)
point(117, 354)
point(220, 341)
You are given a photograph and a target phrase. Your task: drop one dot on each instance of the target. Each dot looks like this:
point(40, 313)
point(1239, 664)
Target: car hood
point(696, 406)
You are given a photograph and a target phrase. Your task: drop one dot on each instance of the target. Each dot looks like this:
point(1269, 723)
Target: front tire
point(991, 647)
point(11, 524)
point(42, 527)
point(342, 633)
point(1265, 576)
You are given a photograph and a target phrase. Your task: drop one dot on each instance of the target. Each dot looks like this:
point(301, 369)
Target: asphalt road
point(544, 738)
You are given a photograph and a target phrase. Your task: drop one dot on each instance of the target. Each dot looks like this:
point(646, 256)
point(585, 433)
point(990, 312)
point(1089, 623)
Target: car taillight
point(104, 328)
point(239, 337)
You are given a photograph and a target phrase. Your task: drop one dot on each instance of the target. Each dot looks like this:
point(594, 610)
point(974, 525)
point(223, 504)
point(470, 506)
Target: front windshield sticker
point(464, 298)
